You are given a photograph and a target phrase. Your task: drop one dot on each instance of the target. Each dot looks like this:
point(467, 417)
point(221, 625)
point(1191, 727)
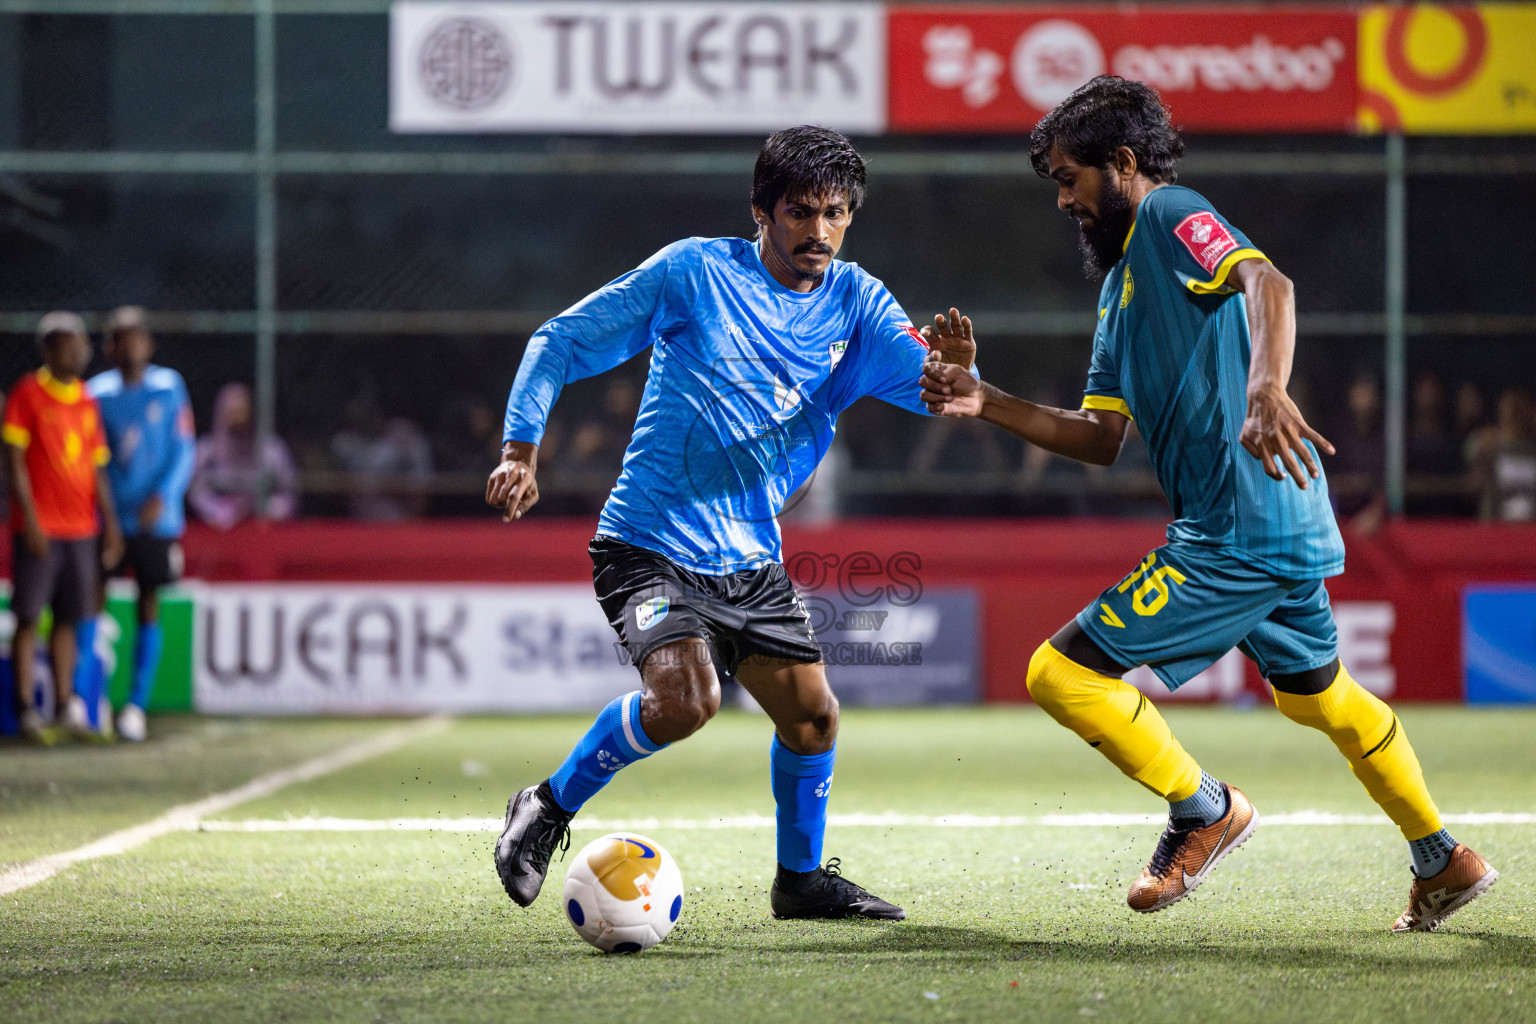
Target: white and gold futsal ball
point(623, 893)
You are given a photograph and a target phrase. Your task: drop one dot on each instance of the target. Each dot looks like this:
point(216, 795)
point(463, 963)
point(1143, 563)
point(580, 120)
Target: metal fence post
point(1395, 356)
point(266, 243)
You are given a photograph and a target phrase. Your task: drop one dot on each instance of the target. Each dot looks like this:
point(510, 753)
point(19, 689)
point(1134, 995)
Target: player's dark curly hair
point(1103, 115)
point(805, 162)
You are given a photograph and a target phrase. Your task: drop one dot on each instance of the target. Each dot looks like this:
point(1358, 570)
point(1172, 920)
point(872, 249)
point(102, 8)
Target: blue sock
point(1205, 805)
point(801, 786)
point(146, 662)
point(615, 740)
point(1432, 853)
point(88, 681)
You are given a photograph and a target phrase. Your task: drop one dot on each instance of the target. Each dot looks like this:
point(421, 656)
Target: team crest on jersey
point(788, 398)
point(1127, 288)
point(648, 613)
point(836, 351)
point(1206, 238)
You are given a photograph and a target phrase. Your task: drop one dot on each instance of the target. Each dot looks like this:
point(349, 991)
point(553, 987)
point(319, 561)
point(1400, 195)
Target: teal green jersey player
point(1194, 342)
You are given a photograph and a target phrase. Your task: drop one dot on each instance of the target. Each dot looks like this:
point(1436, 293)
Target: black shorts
point(64, 579)
point(652, 601)
point(154, 561)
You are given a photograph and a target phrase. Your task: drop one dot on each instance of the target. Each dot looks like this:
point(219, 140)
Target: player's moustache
point(816, 248)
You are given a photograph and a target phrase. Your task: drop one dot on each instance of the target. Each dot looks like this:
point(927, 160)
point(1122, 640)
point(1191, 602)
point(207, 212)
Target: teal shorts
point(1183, 608)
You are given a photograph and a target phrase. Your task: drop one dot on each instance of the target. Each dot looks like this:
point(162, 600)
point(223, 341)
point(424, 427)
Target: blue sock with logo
point(88, 675)
point(614, 741)
point(801, 785)
point(146, 662)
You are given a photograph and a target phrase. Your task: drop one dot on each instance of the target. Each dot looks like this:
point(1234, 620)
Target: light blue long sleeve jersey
point(747, 379)
point(149, 430)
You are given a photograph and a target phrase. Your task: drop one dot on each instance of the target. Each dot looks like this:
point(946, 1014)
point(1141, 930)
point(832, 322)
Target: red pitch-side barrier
point(1032, 574)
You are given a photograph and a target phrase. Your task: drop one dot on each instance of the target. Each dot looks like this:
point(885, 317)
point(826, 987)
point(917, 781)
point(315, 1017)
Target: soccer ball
point(623, 893)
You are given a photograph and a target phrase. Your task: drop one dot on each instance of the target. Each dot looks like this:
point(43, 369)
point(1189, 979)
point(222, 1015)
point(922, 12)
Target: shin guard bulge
point(1372, 740)
point(1114, 717)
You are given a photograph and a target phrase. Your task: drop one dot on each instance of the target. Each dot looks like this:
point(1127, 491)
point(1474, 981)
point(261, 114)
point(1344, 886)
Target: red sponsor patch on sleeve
point(1206, 238)
point(915, 335)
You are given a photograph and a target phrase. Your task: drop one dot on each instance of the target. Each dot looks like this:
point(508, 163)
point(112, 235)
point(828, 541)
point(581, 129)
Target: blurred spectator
point(230, 474)
point(63, 525)
point(1471, 418)
point(148, 421)
point(1504, 460)
point(1434, 463)
point(389, 460)
point(598, 440)
point(958, 446)
point(1357, 471)
point(819, 500)
point(467, 438)
point(1131, 485)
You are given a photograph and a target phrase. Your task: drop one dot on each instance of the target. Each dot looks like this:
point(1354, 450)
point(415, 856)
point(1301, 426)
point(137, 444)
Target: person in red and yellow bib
point(56, 453)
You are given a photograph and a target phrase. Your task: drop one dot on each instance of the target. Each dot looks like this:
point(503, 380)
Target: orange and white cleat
point(1185, 856)
point(1432, 900)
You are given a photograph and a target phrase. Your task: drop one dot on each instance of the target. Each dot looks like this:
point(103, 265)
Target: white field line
point(186, 817)
point(757, 821)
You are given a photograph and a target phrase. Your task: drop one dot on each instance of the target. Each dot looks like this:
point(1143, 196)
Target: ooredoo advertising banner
point(963, 68)
point(636, 67)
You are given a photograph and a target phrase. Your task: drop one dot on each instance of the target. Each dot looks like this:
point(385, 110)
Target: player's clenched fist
point(949, 390)
point(512, 487)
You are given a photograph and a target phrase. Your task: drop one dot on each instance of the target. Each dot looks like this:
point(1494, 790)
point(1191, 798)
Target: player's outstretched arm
point(1087, 435)
point(1273, 430)
point(512, 487)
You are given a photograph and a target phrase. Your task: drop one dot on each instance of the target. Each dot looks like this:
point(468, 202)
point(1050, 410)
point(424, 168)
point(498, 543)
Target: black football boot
point(535, 826)
point(825, 893)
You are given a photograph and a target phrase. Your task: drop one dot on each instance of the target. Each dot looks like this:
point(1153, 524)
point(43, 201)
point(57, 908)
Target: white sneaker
point(32, 725)
point(104, 716)
point(76, 719)
point(131, 725)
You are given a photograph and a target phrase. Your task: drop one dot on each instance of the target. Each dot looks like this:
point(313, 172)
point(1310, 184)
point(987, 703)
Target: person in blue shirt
point(756, 347)
point(1195, 339)
point(148, 420)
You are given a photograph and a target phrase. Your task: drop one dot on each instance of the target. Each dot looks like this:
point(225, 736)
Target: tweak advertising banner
point(636, 67)
point(313, 648)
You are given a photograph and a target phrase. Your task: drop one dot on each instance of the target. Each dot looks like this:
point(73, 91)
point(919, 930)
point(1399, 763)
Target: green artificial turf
point(1009, 923)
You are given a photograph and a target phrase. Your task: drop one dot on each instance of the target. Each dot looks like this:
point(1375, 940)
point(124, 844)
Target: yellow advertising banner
point(1448, 69)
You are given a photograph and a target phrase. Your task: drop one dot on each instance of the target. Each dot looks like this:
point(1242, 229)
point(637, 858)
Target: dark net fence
point(410, 271)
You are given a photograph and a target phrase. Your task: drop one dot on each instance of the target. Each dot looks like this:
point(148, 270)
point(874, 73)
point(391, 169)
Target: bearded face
point(1101, 231)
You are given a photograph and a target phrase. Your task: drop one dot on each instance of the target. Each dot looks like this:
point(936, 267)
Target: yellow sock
point(1114, 717)
point(1369, 736)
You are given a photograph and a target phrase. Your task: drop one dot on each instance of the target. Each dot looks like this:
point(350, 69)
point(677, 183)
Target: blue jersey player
point(756, 347)
point(1194, 342)
point(148, 421)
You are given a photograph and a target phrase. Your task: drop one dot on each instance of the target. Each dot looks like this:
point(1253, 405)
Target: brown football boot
point(1185, 856)
point(1432, 900)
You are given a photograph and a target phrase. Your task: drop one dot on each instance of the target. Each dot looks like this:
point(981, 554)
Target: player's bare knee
point(681, 694)
point(812, 729)
point(818, 732)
